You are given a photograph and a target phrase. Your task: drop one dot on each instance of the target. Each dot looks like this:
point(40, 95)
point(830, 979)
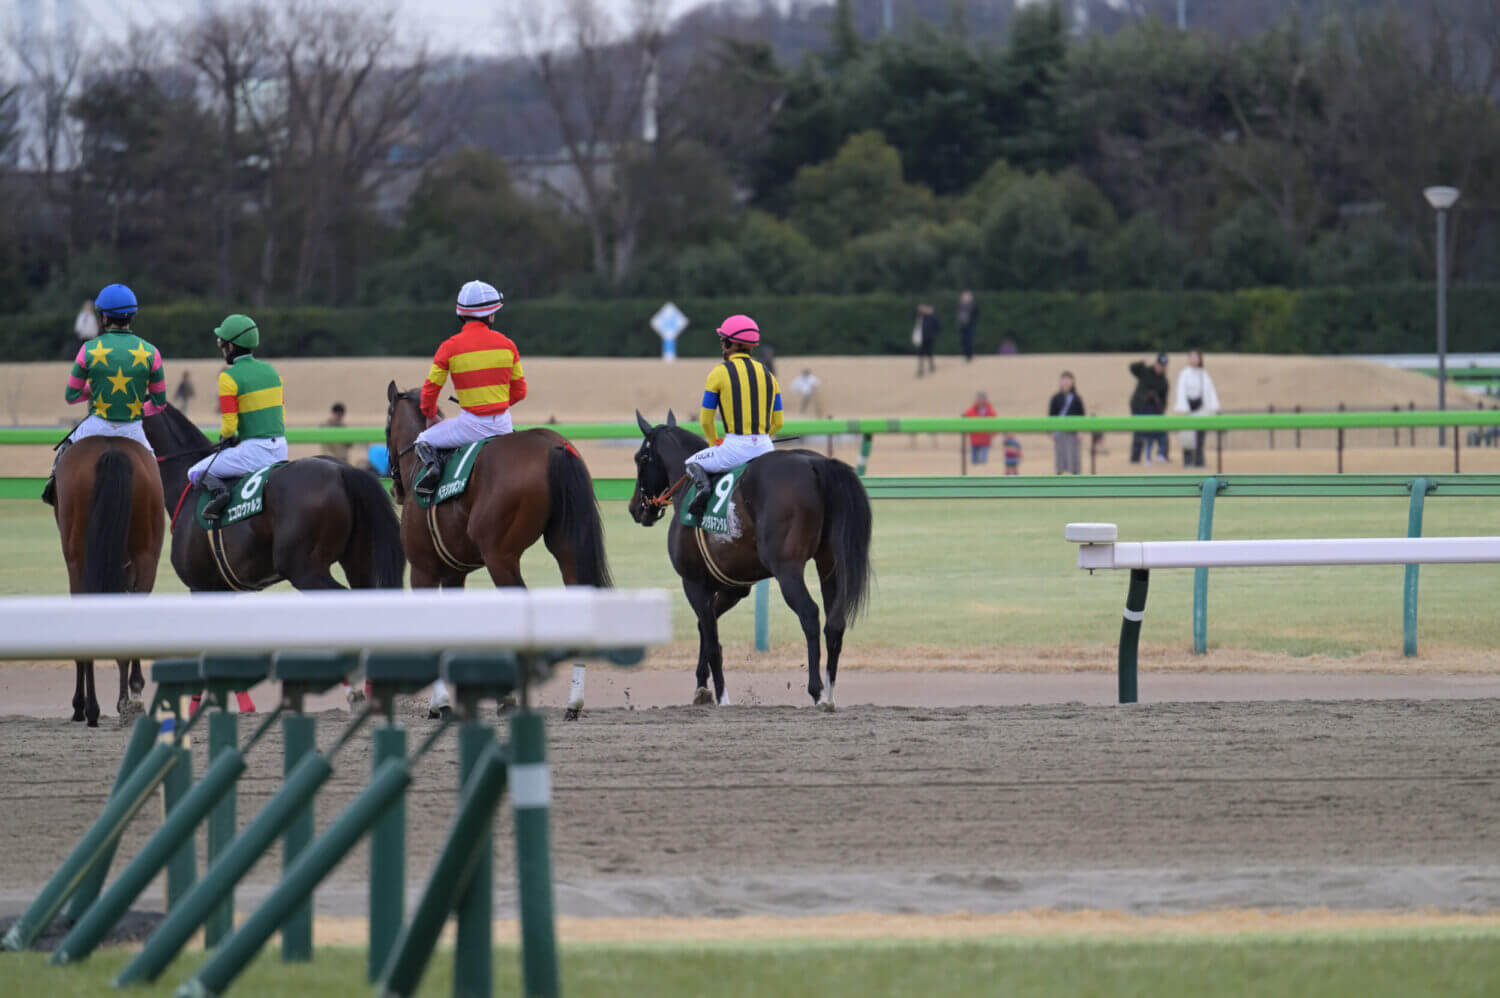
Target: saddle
point(457, 465)
point(246, 499)
point(718, 518)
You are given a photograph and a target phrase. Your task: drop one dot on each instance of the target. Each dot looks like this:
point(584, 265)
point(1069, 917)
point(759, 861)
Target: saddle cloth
point(246, 497)
point(458, 465)
point(716, 519)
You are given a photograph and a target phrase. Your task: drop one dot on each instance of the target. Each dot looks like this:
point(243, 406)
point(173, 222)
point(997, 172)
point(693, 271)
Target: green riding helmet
point(239, 330)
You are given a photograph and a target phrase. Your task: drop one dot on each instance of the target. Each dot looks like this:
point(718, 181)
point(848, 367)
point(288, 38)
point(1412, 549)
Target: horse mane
point(181, 433)
point(690, 442)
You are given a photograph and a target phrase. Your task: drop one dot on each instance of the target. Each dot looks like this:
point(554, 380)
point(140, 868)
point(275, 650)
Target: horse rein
point(665, 498)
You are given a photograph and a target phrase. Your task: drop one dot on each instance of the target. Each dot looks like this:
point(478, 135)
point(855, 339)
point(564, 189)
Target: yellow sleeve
point(229, 405)
point(777, 416)
point(718, 381)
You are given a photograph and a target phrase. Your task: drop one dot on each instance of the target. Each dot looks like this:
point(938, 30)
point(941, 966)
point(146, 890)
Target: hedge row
point(1395, 319)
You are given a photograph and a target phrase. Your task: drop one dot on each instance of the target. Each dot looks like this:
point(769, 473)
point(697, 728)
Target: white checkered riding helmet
point(478, 299)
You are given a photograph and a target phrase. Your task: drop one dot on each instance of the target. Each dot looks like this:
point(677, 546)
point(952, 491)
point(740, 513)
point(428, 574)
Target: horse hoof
point(94, 721)
point(572, 713)
point(703, 697)
point(826, 706)
point(439, 713)
point(77, 716)
point(355, 697)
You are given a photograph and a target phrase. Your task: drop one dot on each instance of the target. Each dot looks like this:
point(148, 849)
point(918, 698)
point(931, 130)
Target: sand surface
point(1157, 809)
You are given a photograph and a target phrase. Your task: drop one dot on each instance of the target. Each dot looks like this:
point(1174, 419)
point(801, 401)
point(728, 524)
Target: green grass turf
point(986, 573)
point(1363, 965)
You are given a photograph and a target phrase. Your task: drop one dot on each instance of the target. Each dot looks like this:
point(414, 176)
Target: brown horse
point(789, 507)
point(524, 487)
point(109, 516)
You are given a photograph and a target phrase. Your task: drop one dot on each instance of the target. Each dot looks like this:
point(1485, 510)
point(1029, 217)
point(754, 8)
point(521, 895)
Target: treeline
point(1395, 319)
point(258, 157)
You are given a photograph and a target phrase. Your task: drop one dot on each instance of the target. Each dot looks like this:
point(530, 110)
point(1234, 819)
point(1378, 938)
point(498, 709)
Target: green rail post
point(865, 443)
point(296, 886)
point(531, 795)
point(387, 859)
point(299, 741)
point(763, 615)
point(182, 869)
point(1130, 632)
point(472, 958)
point(1419, 489)
point(104, 833)
point(451, 875)
point(168, 841)
point(1210, 489)
point(223, 736)
point(141, 738)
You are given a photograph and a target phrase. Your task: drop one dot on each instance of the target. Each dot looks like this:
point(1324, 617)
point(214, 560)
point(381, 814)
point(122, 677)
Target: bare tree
point(50, 67)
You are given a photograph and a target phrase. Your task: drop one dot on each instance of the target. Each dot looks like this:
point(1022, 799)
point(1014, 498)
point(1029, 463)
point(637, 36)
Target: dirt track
point(1387, 805)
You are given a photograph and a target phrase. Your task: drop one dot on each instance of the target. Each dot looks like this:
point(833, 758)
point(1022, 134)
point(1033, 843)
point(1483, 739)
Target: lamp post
point(1441, 199)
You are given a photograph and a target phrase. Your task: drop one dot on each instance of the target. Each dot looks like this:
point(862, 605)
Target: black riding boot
point(218, 493)
point(700, 501)
point(49, 491)
point(426, 484)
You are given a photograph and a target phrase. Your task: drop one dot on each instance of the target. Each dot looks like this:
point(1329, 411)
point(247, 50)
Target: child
point(1012, 454)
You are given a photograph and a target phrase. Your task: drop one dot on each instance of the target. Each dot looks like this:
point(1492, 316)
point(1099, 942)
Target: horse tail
point(848, 523)
point(376, 529)
point(574, 523)
point(105, 558)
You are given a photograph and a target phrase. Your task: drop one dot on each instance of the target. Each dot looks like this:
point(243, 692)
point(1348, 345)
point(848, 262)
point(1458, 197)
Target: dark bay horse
point(109, 515)
point(525, 486)
point(790, 507)
point(317, 512)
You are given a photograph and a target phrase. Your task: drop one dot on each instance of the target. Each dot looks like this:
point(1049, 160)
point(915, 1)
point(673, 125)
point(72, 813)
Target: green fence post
point(1210, 489)
point(531, 796)
point(387, 860)
point(763, 615)
point(103, 834)
point(181, 821)
point(865, 444)
point(223, 736)
point(296, 886)
point(1130, 632)
point(1419, 489)
point(472, 959)
point(141, 738)
point(299, 737)
point(183, 866)
point(451, 874)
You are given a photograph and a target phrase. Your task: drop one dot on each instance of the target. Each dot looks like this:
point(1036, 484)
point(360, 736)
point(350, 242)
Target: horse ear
point(671, 418)
point(641, 422)
point(391, 391)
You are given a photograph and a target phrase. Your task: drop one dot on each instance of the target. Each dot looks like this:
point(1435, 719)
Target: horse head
point(651, 474)
point(403, 421)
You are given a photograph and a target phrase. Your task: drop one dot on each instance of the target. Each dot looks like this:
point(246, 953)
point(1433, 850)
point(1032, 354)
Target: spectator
point(1008, 347)
point(1195, 393)
point(337, 451)
point(968, 316)
point(1149, 399)
point(806, 386)
point(184, 393)
point(979, 443)
point(1012, 447)
point(924, 336)
point(1065, 456)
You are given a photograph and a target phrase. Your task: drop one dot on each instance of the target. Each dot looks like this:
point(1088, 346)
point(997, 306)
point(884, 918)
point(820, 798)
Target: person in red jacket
point(979, 443)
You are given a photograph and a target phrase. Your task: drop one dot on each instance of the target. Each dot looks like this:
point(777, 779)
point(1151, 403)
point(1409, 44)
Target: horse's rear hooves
point(439, 713)
point(572, 713)
point(826, 706)
point(703, 697)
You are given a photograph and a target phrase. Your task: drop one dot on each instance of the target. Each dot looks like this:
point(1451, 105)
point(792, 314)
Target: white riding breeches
point(465, 428)
point(243, 458)
point(98, 426)
point(735, 450)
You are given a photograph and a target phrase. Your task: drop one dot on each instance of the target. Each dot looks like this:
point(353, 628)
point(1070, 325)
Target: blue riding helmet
point(380, 459)
point(116, 301)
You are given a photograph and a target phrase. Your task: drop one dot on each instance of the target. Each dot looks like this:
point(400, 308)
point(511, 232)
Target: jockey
point(749, 399)
point(252, 430)
point(487, 378)
point(119, 374)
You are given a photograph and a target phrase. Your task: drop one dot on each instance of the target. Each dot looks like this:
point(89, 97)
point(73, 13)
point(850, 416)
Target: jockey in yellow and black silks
point(746, 397)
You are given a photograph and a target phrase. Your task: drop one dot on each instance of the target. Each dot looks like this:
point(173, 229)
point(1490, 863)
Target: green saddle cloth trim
point(455, 478)
point(715, 519)
point(247, 497)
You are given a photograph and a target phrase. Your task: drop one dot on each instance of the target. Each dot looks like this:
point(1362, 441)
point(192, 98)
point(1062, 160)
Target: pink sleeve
point(76, 382)
point(159, 385)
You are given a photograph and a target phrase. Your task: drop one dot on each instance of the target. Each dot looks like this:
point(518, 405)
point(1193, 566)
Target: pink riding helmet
point(740, 329)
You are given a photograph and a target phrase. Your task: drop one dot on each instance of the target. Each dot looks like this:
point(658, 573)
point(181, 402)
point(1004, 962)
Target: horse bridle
point(390, 414)
point(657, 502)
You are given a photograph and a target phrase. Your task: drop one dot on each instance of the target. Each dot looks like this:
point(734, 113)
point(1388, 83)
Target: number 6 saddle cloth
point(247, 498)
point(717, 518)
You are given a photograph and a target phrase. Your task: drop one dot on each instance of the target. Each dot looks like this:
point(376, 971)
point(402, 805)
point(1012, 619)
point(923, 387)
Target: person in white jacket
point(1195, 393)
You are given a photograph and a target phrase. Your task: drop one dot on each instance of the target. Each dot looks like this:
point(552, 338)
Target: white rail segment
point(1251, 554)
point(67, 627)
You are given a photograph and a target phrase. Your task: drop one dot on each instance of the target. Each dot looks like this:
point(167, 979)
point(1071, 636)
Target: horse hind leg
point(80, 693)
point(91, 697)
point(794, 591)
point(833, 629)
point(701, 600)
point(132, 684)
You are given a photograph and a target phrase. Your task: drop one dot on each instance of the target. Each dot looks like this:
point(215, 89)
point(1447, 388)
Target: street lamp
point(1441, 199)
